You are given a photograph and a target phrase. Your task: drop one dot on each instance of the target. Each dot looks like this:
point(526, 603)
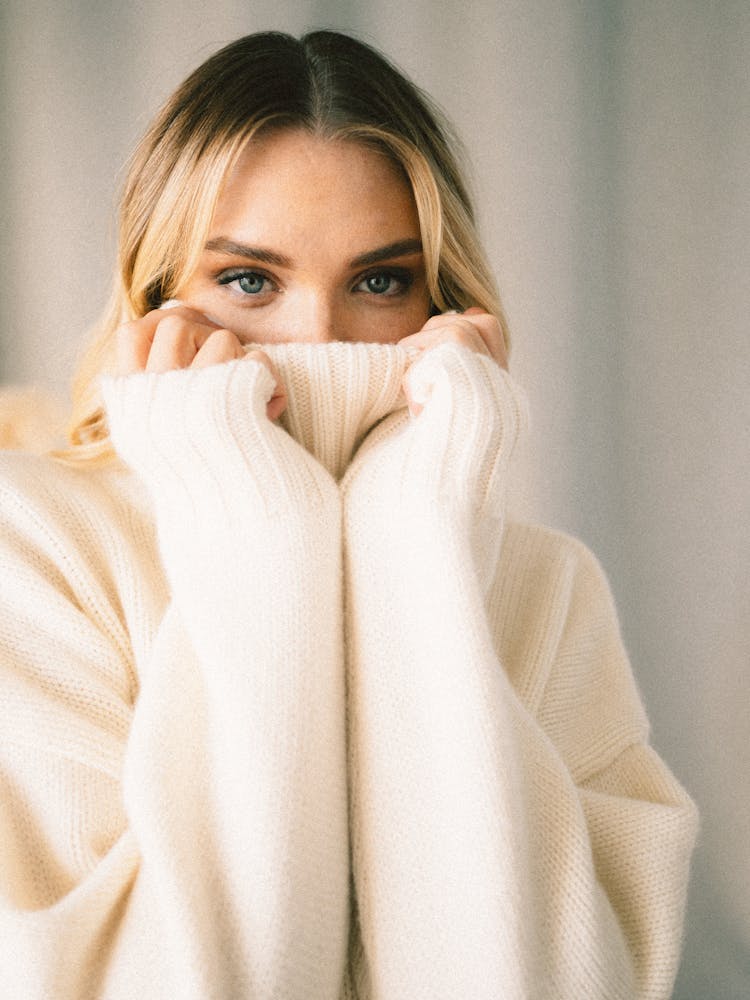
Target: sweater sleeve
point(499, 847)
point(195, 844)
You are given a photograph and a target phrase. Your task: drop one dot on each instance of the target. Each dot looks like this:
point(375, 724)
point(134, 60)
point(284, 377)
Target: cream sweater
point(289, 718)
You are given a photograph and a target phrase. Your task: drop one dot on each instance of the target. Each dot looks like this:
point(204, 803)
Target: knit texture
point(290, 711)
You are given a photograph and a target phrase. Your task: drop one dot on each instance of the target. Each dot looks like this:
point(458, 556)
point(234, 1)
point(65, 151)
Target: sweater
point(293, 710)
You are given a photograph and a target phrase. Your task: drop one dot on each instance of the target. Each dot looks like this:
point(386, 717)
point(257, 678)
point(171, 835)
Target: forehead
point(291, 184)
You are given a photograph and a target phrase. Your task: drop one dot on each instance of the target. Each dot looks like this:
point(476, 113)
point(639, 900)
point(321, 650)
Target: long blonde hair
point(325, 82)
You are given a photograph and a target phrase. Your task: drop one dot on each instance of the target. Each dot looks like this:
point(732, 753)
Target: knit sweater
point(291, 710)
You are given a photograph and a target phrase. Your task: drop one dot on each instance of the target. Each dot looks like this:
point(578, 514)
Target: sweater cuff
point(456, 453)
point(193, 433)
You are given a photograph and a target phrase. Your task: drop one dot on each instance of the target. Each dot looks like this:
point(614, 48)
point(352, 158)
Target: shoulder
point(38, 486)
point(67, 570)
point(549, 578)
point(37, 499)
point(67, 529)
point(542, 548)
point(79, 566)
point(558, 635)
point(36, 477)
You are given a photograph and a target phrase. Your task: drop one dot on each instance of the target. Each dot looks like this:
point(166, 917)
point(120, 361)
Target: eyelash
point(235, 273)
point(402, 277)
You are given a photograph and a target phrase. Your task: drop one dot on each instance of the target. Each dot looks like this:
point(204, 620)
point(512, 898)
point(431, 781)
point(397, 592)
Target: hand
point(474, 328)
point(441, 477)
point(456, 453)
point(181, 337)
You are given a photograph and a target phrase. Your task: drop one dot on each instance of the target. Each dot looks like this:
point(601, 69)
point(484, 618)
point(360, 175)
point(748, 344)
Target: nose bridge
point(317, 316)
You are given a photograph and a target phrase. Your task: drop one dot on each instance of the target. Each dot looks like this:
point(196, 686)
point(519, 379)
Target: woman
point(290, 708)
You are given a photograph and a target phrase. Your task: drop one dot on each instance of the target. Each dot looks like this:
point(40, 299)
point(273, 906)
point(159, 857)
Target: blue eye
point(385, 283)
point(379, 284)
point(247, 282)
point(251, 283)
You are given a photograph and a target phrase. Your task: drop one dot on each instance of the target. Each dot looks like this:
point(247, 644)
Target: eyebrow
point(401, 248)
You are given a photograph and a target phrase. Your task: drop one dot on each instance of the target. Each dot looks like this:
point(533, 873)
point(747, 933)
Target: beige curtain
point(611, 147)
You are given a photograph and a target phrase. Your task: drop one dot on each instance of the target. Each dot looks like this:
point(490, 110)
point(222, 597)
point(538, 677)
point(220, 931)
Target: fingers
point(219, 346)
point(181, 337)
point(176, 344)
point(162, 340)
point(476, 329)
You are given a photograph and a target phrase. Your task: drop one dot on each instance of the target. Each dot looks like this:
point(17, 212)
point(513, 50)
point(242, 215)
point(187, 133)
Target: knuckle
point(262, 357)
point(492, 324)
point(465, 333)
point(460, 333)
point(173, 328)
point(435, 322)
point(221, 338)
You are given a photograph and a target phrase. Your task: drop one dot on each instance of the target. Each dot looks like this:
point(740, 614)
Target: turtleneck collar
point(337, 392)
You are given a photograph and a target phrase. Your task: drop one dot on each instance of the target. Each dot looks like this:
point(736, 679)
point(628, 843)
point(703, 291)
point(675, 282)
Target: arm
point(224, 869)
point(483, 865)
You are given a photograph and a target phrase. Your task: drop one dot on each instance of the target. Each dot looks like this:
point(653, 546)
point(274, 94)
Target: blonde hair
point(325, 82)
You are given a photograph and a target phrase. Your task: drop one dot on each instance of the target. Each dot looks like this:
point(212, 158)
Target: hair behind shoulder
point(326, 82)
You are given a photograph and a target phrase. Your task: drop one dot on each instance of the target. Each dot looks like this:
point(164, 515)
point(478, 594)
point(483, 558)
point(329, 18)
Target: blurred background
point(611, 155)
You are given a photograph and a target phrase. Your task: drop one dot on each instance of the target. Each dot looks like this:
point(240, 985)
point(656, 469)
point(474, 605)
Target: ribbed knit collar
point(337, 392)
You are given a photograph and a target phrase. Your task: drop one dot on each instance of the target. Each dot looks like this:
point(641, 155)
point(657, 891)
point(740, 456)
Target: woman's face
point(313, 240)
